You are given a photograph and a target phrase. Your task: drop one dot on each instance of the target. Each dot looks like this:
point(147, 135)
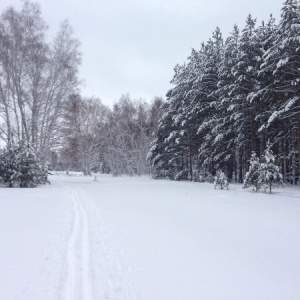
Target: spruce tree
point(19, 165)
point(252, 177)
point(270, 175)
point(263, 173)
point(10, 170)
point(30, 171)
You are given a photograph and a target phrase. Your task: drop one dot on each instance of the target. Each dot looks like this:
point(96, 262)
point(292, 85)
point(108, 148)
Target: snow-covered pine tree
point(31, 172)
point(252, 177)
point(221, 180)
point(185, 120)
point(224, 131)
point(266, 34)
point(174, 150)
point(160, 154)
point(269, 174)
point(205, 102)
point(245, 84)
point(20, 165)
point(9, 165)
point(178, 99)
point(281, 96)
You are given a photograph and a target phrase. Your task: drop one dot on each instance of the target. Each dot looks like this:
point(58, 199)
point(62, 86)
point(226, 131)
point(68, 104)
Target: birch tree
point(36, 78)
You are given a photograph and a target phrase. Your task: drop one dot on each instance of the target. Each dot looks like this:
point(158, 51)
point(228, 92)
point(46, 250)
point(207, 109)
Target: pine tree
point(266, 34)
point(245, 84)
point(282, 115)
point(31, 173)
point(20, 165)
point(10, 170)
point(270, 175)
point(160, 154)
point(252, 177)
point(263, 173)
point(224, 130)
point(205, 106)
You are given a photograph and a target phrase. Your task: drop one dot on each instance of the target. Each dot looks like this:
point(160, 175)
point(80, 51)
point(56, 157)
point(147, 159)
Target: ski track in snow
point(78, 282)
point(91, 271)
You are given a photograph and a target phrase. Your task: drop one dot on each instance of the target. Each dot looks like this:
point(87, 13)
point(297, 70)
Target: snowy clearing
point(142, 239)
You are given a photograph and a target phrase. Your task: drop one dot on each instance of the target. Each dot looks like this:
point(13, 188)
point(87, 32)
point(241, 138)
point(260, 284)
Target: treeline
point(230, 98)
point(114, 140)
point(40, 106)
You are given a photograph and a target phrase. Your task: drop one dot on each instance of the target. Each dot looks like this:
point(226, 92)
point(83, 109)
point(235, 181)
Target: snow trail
point(142, 239)
point(78, 283)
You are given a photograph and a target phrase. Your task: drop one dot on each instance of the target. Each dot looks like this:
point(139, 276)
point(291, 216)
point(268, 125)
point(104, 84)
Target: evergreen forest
point(230, 99)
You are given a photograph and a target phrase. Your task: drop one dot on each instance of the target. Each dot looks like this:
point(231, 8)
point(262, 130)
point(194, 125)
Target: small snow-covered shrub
point(221, 181)
point(253, 175)
point(9, 168)
point(270, 176)
point(19, 165)
point(264, 173)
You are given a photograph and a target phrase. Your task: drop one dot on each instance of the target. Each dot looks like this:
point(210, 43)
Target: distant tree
point(128, 136)
point(84, 133)
point(101, 139)
point(155, 113)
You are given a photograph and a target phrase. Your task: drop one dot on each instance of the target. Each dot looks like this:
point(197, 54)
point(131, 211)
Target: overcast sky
point(132, 46)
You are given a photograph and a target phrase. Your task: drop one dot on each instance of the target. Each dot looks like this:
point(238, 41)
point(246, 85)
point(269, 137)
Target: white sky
point(132, 46)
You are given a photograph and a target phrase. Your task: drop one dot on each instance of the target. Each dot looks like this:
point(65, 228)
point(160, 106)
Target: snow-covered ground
point(137, 238)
